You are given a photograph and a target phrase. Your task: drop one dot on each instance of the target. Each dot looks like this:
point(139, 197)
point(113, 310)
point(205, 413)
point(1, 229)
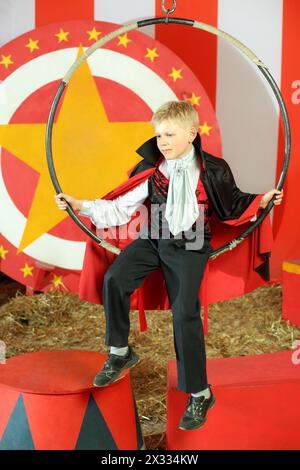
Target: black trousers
point(183, 271)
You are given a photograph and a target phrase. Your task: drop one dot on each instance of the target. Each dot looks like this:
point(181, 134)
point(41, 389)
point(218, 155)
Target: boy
point(183, 180)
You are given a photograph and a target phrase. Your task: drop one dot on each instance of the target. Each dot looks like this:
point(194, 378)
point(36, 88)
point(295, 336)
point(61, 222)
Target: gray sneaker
point(114, 366)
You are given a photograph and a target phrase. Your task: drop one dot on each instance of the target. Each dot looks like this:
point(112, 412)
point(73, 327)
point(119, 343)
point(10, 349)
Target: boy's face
point(174, 139)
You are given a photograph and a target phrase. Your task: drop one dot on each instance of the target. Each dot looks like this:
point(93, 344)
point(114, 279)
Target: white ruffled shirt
point(110, 213)
point(107, 213)
point(182, 206)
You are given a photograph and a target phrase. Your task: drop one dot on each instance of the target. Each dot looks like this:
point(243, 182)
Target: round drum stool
point(48, 402)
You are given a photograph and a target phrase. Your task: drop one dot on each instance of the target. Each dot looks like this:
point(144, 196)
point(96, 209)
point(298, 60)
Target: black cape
point(227, 200)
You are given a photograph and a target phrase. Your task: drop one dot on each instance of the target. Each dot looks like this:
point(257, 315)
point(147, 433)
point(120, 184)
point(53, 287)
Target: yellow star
point(32, 45)
point(6, 60)
point(3, 252)
point(194, 99)
point(83, 149)
point(27, 270)
point(151, 54)
point(205, 129)
point(62, 36)
point(123, 40)
point(57, 280)
point(175, 74)
point(93, 34)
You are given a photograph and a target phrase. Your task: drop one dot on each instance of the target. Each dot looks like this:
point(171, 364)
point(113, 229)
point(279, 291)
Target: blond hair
point(180, 111)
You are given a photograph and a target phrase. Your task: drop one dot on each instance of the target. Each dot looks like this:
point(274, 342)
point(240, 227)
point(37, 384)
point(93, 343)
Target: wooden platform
point(48, 402)
point(291, 292)
point(257, 405)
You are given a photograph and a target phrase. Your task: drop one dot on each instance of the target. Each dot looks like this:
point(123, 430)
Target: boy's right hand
point(76, 204)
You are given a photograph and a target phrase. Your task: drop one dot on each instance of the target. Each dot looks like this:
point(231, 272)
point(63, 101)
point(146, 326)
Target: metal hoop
point(187, 22)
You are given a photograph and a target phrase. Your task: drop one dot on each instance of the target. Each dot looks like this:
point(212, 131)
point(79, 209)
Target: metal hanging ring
point(168, 11)
point(195, 24)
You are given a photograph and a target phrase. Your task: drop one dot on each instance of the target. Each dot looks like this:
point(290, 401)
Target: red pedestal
point(291, 292)
point(48, 403)
point(257, 405)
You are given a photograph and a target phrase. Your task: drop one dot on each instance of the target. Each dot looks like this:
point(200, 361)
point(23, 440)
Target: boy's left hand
point(268, 196)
